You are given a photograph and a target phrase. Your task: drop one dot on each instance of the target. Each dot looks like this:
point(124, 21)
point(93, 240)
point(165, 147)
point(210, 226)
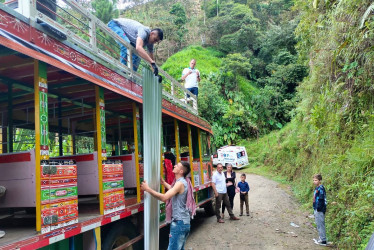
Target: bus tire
point(210, 207)
point(119, 234)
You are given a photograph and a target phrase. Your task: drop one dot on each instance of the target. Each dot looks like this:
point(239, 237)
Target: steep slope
point(332, 131)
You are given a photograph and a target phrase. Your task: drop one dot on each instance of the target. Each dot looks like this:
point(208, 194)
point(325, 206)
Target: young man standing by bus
point(182, 206)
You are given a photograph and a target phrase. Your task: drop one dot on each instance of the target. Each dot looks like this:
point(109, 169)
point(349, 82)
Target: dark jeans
point(246, 204)
point(113, 25)
point(194, 90)
point(231, 194)
point(225, 199)
point(178, 235)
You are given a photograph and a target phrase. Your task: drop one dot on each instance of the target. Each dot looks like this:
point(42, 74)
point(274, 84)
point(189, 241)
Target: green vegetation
point(332, 130)
point(208, 61)
point(294, 80)
point(249, 67)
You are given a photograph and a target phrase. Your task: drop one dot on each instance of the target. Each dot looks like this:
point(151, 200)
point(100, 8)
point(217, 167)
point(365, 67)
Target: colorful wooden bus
point(71, 153)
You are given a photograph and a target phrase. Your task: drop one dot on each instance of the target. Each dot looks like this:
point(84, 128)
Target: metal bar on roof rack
point(89, 43)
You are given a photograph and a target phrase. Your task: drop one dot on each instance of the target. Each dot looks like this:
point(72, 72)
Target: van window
point(241, 154)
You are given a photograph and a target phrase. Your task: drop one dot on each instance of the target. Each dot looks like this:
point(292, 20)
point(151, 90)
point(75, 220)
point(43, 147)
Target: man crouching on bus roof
point(138, 36)
point(182, 206)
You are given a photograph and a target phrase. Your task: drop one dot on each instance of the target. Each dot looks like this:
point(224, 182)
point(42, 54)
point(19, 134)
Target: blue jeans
point(194, 90)
point(178, 235)
point(113, 25)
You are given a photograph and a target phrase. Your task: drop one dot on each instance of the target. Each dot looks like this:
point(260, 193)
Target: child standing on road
point(319, 206)
point(244, 188)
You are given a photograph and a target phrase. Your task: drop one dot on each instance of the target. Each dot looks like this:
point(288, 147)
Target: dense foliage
point(295, 77)
point(267, 49)
point(252, 89)
point(105, 10)
point(260, 54)
point(332, 131)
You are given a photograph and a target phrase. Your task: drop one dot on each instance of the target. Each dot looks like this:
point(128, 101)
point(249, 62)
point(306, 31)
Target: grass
point(293, 154)
point(208, 60)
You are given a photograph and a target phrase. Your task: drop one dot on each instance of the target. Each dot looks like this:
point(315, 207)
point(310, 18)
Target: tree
point(105, 10)
point(235, 29)
point(179, 20)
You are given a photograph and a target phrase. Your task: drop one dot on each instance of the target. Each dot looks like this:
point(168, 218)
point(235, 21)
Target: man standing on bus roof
point(192, 77)
point(138, 36)
point(182, 206)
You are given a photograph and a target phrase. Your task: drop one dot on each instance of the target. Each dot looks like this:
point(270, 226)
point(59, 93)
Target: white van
point(236, 155)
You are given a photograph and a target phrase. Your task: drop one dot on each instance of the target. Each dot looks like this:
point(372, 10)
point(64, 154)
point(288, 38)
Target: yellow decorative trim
point(136, 145)
point(190, 153)
point(176, 131)
point(162, 170)
point(98, 238)
point(201, 157)
point(37, 147)
point(99, 147)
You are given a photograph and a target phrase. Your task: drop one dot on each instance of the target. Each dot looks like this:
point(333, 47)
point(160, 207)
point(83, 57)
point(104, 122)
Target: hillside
point(332, 131)
point(294, 80)
point(208, 61)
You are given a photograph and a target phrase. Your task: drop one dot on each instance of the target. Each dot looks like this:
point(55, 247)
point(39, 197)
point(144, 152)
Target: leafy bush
point(332, 129)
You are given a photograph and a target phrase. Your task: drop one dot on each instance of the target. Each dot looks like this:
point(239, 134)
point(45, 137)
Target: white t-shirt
point(220, 181)
point(191, 79)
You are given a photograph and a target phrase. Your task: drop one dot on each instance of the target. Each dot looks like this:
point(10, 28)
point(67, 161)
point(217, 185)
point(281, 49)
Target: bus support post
point(41, 131)
point(136, 125)
point(100, 139)
point(201, 156)
point(190, 153)
point(176, 131)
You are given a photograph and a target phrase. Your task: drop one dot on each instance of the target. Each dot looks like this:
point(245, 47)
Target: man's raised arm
point(141, 51)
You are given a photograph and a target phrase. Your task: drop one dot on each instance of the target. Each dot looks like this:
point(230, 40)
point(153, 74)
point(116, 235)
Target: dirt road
point(272, 210)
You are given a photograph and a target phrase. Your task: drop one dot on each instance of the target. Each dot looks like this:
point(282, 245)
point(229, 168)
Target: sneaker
point(220, 221)
point(234, 218)
point(240, 214)
point(2, 233)
point(320, 242)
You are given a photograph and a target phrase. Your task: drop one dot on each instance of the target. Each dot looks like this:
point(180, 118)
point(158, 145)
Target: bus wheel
point(119, 234)
point(210, 207)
